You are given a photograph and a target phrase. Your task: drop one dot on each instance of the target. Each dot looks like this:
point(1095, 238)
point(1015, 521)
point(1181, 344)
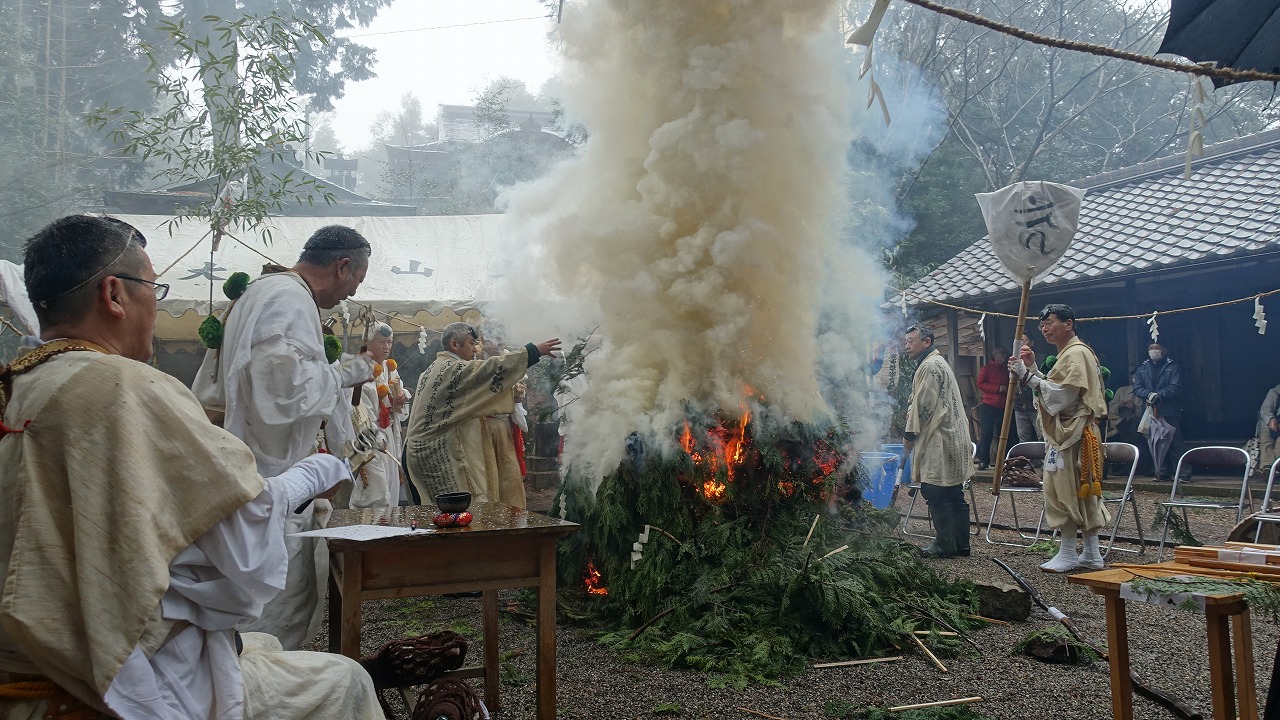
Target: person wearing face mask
point(1157, 382)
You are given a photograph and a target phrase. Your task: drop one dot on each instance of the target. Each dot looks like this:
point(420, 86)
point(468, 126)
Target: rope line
point(1140, 316)
point(1222, 73)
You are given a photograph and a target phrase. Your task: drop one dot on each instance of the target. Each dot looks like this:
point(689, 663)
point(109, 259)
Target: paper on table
point(358, 532)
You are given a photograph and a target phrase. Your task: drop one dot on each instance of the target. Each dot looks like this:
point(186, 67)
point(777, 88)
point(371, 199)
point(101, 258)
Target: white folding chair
point(914, 492)
point(1035, 452)
point(1205, 457)
point(1267, 516)
point(1128, 454)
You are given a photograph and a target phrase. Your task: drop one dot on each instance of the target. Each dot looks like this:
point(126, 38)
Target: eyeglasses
point(161, 290)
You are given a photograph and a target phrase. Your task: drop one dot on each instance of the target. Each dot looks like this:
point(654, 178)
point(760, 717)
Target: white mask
point(1156, 355)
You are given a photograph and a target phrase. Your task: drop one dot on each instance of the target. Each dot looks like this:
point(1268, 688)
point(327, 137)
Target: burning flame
point(726, 447)
point(593, 580)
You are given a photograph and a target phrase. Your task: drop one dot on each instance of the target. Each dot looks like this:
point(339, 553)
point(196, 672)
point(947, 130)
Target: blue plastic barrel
point(904, 478)
point(882, 471)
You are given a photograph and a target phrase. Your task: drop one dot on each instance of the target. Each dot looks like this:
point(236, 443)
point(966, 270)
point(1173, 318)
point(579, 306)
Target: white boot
point(1066, 560)
point(1091, 556)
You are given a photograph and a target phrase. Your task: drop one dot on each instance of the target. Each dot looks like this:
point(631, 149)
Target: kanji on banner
point(1031, 224)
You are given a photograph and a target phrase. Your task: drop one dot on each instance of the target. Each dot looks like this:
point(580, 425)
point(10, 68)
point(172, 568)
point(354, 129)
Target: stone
point(1002, 601)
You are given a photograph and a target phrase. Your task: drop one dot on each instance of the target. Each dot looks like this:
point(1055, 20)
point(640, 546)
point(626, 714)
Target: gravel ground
point(1168, 648)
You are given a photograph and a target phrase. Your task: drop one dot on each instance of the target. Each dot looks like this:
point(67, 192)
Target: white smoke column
point(699, 225)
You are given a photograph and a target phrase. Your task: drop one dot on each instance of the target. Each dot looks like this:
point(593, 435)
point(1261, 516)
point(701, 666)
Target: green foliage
point(245, 110)
point(1179, 532)
point(332, 347)
point(1067, 647)
point(667, 708)
point(1046, 547)
point(211, 332)
point(235, 285)
point(732, 588)
point(1263, 597)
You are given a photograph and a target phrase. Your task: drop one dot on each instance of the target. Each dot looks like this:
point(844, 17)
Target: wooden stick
point(926, 650)
point(940, 703)
point(758, 713)
point(837, 551)
point(993, 621)
point(1009, 395)
point(811, 529)
point(940, 633)
point(847, 663)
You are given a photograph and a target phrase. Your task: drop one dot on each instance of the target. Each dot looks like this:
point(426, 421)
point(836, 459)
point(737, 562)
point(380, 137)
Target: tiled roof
point(1144, 217)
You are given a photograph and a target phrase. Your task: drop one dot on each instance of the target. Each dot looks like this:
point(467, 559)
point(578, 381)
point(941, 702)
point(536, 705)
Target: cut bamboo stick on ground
point(940, 633)
point(864, 661)
point(940, 703)
point(929, 653)
point(757, 713)
point(993, 621)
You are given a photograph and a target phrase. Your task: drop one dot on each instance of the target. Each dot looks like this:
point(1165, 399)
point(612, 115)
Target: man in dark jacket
point(1158, 383)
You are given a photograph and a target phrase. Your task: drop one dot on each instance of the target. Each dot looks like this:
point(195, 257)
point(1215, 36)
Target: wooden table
point(504, 547)
point(1223, 614)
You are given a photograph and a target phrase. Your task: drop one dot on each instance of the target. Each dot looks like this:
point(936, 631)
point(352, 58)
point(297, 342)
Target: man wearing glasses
point(134, 535)
point(1070, 401)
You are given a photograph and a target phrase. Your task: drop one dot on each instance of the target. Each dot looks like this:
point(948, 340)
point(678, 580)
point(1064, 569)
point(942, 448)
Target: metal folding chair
point(1205, 457)
point(1123, 453)
point(914, 489)
point(1035, 452)
point(1267, 516)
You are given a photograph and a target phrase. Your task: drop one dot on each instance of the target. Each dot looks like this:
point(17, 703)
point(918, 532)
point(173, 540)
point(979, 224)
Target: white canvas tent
point(429, 270)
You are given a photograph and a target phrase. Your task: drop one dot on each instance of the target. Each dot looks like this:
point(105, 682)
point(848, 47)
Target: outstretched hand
point(546, 347)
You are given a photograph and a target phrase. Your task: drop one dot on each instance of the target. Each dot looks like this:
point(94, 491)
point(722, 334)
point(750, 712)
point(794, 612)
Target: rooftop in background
point(170, 201)
point(1144, 218)
point(458, 122)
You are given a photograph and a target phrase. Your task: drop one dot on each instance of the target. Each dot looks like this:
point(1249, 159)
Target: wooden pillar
point(953, 337)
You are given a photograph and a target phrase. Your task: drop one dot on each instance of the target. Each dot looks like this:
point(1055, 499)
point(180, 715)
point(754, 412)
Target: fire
point(593, 580)
point(724, 447)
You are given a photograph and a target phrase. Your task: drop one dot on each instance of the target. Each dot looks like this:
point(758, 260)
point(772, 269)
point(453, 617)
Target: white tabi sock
point(1066, 560)
point(1091, 556)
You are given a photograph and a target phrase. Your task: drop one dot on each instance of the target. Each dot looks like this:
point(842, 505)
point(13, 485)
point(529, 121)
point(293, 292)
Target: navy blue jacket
point(1165, 378)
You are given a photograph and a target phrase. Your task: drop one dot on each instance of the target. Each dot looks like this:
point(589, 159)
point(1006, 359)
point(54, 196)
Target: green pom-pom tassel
point(332, 347)
point(1048, 363)
point(234, 287)
point(1109, 395)
point(211, 332)
point(1106, 372)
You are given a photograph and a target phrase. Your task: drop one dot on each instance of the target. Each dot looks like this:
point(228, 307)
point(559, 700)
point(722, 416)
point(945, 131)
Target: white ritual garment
point(279, 388)
point(224, 578)
point(383, 472)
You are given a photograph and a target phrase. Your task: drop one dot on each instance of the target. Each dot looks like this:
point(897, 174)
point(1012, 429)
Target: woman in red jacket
point(993, 382)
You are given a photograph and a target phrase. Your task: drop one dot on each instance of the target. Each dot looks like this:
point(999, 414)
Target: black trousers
point(988, 426)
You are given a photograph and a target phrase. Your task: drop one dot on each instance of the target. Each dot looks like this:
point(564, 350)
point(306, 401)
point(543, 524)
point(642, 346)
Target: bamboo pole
point(933, 658)
point(939, 703)
point(1010, 394)
point(865, 661)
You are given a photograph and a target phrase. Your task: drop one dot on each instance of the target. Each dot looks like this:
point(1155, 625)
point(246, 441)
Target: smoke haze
point(705, 228)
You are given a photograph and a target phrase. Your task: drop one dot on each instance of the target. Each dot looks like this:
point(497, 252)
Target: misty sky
point(447, 65)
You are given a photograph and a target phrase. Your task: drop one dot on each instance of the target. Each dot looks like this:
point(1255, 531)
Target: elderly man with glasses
point(135, 536)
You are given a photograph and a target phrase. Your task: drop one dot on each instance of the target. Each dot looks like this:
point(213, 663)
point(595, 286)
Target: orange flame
point(593, 580)
point(713, 491)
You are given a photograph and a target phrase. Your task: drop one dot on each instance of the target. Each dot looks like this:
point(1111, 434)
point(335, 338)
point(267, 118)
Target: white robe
point(382, 474)
point(185, 664)
point(279, 388)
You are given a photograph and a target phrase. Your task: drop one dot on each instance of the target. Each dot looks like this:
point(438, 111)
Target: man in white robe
point(279, 389)
point(449, 447)
point(135, 535)
point(937, 437)
point(1071, 401)
point(384, 403)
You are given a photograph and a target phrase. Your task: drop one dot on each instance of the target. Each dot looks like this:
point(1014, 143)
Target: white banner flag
point(1031, 224)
